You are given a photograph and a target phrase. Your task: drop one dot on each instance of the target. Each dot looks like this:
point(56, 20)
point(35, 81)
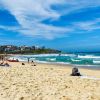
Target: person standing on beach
point(28, 60)
point(2, 58)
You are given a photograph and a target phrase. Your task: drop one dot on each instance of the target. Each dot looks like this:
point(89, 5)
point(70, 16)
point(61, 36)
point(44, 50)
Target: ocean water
point(76, 59)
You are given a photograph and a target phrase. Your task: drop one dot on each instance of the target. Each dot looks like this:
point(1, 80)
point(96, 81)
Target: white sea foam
point(51, 59)
point(88, 56)
point(75, 60)
point(89, 66)
point(15, 57)
point(96, 61)
point(63, 63)
point(71, 55)
point(90, 77)
point(52, 62)
point(43, 55)
point(40, 55)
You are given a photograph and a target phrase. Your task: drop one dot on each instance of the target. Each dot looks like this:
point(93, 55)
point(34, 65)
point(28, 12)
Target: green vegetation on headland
point(10, 49)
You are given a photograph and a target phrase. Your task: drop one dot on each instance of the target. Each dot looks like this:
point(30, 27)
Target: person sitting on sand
point(33, 64)
point(17, 60)
point(75, 72)
point(23, 63)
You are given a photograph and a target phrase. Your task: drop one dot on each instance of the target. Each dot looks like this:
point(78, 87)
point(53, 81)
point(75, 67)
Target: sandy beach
point(47, 82)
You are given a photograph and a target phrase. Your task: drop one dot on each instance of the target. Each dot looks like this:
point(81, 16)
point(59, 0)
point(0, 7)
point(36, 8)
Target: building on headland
point(6, 48)
point(25, 49)
point(33, 47)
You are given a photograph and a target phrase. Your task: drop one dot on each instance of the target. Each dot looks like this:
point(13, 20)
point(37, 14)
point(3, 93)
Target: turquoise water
point(78, 59)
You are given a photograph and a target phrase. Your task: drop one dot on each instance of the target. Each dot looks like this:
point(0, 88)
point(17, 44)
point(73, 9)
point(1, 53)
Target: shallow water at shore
point(79, 60)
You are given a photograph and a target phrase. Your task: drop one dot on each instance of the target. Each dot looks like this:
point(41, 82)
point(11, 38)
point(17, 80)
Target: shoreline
point(67, 65)
point(83, 71)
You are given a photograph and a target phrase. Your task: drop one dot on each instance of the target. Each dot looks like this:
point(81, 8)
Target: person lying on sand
point(4, 64)
point(75, 72)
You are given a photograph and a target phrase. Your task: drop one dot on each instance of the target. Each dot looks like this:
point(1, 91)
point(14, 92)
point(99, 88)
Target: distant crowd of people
point(32, 62)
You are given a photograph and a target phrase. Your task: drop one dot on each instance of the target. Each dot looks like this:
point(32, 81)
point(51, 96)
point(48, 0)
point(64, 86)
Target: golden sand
point(47, 82)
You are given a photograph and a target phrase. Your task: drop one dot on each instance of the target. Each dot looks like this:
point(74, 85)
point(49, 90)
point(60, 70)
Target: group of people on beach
point(75, 71)
point(4, 64)
point(32, 62)
point(3, 60)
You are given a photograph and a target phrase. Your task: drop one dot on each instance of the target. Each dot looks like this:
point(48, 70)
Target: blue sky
point(72, 25)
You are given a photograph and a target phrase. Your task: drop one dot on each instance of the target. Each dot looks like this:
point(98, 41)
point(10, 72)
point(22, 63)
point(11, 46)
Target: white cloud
point(88, 25)
point(31, 13)
point(10, 28)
